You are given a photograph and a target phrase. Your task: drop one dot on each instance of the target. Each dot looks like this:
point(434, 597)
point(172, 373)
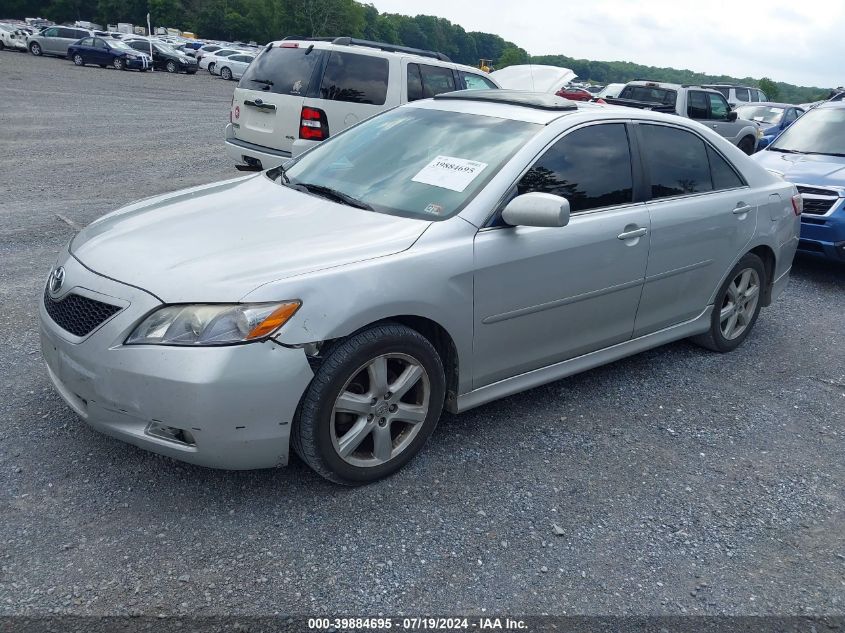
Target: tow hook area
point(250, 164)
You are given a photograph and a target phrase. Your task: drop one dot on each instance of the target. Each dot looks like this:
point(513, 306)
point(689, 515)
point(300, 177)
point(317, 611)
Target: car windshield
point(761, 114)
point(412, 162)
point(820, 131)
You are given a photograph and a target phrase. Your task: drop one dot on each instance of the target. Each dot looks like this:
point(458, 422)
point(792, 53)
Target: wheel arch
point(767, 254)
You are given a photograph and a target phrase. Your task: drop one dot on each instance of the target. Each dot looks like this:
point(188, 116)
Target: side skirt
point(576, 365)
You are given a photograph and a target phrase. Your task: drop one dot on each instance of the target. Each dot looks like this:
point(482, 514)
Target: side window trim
point(647, 176)
point(636, 174)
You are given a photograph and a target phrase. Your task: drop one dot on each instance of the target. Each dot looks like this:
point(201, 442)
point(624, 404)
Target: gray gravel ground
point(680, 481)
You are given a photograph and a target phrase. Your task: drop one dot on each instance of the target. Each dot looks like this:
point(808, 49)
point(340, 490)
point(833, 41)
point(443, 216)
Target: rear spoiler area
point(641, 105)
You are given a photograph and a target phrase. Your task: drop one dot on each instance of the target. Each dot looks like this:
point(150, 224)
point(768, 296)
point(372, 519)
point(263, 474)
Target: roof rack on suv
point(391, 48)
point(525, 98)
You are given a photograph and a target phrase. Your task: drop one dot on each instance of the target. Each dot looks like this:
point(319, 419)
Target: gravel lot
point(679, 481)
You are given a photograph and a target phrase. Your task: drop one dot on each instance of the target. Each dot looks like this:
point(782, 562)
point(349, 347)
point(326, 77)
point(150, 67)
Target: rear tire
point(736, 307)
point(35, 49)
point(211, 68)
point(371, 405)
point(226, 74)
point(747, 145)
point(77, 59)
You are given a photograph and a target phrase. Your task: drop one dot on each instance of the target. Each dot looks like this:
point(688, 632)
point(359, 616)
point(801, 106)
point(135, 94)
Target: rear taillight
point(313, 124)
point(231, 108)
point(797, 204)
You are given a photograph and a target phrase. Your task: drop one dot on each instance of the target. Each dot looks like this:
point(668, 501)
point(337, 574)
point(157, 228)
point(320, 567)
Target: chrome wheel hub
point(740, 303)
point(380, 410)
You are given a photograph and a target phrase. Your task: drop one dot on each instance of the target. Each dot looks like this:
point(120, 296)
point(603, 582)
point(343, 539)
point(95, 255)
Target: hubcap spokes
point(740, 303)
point(380, 410)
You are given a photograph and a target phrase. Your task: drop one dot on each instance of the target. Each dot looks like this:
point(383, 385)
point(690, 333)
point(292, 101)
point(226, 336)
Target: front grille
point(817, 191)
point(818, 206)
point(77, 314)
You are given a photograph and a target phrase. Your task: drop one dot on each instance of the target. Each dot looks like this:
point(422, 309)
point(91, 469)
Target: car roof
point(771, 104)
point(830, 104)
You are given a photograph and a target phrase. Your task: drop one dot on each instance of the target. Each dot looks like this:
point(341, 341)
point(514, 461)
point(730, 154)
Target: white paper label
point(448, 172)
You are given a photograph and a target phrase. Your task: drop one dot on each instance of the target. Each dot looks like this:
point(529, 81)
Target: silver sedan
point(441, 255)
point(234, 66)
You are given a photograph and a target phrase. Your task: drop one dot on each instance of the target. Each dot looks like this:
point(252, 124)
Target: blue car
point(811, 155)
point(107, 52)
point(772, 118)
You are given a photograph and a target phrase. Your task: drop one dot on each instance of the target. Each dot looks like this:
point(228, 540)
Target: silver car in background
point(55, 40)
point(340, 302)
point(234, 66)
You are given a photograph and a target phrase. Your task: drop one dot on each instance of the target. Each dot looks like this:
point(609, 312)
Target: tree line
point(266, 20)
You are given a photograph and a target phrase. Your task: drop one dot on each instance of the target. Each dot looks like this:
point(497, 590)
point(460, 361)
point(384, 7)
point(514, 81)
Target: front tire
point(119, 64)
point(371, 406)
point(226, 74)
point(736, 307)
point(35, 49)
point(171, 67)
point(747, 145)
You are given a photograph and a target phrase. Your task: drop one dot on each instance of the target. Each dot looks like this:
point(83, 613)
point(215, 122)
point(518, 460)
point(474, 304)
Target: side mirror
point(732, 115)
point(537, 209)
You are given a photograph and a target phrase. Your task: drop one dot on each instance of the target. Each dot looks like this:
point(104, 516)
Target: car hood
point(805, 169)
point(217, 243)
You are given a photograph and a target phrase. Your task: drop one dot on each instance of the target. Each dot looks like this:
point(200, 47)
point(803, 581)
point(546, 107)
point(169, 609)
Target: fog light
point(170, 433)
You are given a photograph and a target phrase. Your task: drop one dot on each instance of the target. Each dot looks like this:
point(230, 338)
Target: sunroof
point(538, 100)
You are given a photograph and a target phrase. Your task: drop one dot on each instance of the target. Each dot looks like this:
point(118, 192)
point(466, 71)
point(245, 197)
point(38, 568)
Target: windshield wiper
point(840, 155)
point(336, 195)
point(786, 151)
point(266, 82)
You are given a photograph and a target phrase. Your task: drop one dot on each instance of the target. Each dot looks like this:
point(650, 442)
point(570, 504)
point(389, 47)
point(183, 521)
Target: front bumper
point(246, 153)
point(824, 235)
point(136, 64)
point(236, 402)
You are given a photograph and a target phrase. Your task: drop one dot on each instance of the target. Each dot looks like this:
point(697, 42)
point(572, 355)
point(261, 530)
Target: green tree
point(511, 56)
point(770, 88)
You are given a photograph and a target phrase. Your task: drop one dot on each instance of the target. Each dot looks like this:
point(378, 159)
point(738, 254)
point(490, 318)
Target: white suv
point(298, 92)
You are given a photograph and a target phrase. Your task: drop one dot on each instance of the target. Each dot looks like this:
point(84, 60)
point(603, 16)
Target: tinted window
point(719, 108)
point(724, 176)
point(51, 32)
point(88, 41)
point(649, 94)
point(726, 92)
point(100, 43)
point(742, 94)
point(436, 79)
point(241, 58)
point(677, 161)
point(415, 89)
point(282, 70)
point(590, 167)
point(68, 33)
point(140, 46)
point(355, 78)
point(476, 82)
point(791, 115)
point(697, 105)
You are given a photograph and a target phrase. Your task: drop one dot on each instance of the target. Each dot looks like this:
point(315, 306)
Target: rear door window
point(68, 34)
point(590, 167)
point(724, 176)
point(436, 80)
point(415, 88)
point(355, 78)
point(697, 104)
point(286, 71)
point(677, 161)
point(742, 94)
point(54, 32)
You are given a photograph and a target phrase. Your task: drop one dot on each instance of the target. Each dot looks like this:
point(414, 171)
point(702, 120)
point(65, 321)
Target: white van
point(298, 92)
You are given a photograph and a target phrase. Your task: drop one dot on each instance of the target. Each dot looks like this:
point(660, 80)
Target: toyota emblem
point(57, 279)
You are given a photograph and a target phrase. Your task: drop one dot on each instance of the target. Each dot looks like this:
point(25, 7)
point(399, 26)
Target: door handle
point(629, 235)
point(742, 209)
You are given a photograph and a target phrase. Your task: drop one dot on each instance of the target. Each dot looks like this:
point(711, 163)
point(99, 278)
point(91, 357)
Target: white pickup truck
point(704, 105)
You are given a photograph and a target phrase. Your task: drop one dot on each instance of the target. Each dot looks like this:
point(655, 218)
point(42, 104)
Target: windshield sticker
point(448, 172)
point(434, 209)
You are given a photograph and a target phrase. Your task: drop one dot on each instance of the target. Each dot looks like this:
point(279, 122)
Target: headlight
point(760, 132)
point(213, 324)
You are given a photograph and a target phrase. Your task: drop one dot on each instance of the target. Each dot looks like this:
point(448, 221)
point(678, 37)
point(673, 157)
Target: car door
point(702, 216)
point(67, 36)
point(543, 295)
point(717, 116)
point(99, 52)
point(49, 40)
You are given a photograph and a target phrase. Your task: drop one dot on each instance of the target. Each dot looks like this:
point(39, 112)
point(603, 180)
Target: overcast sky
point(797, 41)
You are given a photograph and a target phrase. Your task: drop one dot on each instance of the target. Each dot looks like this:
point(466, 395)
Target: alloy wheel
point(118, 63)
point(77, 59)
point(740, 303)
point(380, 410)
